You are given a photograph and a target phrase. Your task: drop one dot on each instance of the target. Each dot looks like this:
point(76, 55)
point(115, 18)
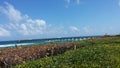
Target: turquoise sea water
point(23, 43)
point(43, 41)
point(13, 44)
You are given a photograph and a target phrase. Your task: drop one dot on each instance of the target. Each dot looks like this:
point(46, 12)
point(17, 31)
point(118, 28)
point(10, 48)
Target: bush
point(96, 53)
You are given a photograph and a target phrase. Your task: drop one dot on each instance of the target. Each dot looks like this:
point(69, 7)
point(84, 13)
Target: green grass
point(96, 53)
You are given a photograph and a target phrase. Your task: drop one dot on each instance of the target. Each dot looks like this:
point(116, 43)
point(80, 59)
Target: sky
point(36, 19)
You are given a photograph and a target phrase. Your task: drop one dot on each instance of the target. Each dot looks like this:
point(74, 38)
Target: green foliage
point(96, 53)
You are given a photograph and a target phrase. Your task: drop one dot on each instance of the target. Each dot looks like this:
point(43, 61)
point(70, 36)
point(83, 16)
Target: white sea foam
point(7, 45)
point(11, 45)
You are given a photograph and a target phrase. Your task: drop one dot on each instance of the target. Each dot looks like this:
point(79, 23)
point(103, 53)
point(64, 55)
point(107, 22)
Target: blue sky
point(25, 19)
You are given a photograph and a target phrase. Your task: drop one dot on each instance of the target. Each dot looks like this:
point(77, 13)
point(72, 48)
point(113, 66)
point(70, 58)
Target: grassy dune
point(96, 53)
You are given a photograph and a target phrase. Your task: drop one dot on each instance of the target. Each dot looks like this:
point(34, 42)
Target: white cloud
point(13, 14)
point(22, 24)
point(4, 32)
point(68, 2)
point(33, 27)
point(87, 29)
point(78, 2)
point(119, 2)
point(74, 29)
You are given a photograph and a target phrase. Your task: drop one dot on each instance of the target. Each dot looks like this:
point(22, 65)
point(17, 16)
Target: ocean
point(14, 43)
point(30, 42)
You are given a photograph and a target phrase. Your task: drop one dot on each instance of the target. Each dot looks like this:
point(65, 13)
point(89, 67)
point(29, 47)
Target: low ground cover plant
point(96, 53)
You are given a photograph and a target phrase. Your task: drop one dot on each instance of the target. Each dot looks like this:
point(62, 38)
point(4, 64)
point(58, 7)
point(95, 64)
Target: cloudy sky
point(25, 19)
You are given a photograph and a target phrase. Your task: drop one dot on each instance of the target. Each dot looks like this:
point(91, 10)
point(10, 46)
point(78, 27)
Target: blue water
point(29, 42)
point(42, 41)
point(14, 43)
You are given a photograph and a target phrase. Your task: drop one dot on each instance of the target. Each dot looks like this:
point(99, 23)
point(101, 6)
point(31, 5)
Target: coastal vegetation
point(22, 54)
point(94, 53)
point(99, 52)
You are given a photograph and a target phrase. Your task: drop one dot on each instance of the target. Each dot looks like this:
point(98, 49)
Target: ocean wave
point(11, 45)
